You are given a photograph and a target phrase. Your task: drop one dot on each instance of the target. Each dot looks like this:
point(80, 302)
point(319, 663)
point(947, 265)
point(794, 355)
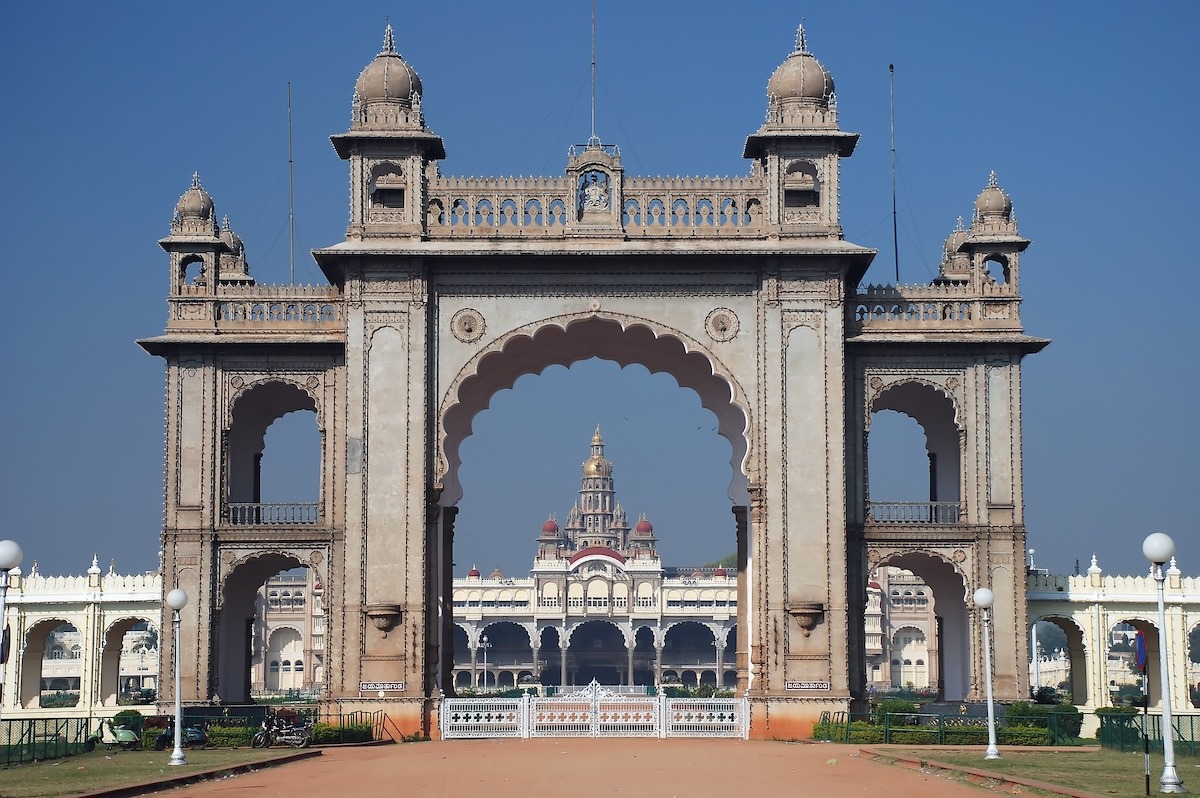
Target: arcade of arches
point(446, 290)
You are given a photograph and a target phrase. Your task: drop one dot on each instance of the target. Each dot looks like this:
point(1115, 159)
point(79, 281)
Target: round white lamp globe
point(984, 598)
point(177, 599)
point(10, 555)
point(1158, 547)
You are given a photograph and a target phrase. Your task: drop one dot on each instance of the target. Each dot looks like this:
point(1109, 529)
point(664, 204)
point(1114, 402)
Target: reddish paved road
point(581, 768)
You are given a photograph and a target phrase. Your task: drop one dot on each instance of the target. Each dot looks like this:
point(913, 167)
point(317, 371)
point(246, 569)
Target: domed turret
point(232, 240)
point(644, 527)
point(956, 265)
point(387, 95)
point(801, 78)
point(232, 262)
point(550, 527)
point(195, 214)
point(388, 77)
point(195, 202)
point(993, 203)
point(597, 465)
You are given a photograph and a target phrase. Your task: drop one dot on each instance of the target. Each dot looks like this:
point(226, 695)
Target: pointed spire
point(958, 228)
point(225, 222)
point(801, 45)
point(1173, 569)
point(992, 180)
point(195, 180)
point(1094, 568)
point(95, 569)
point(389, 42)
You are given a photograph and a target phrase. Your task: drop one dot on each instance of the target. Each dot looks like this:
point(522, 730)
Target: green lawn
point(102, 769)
point(1102, 772)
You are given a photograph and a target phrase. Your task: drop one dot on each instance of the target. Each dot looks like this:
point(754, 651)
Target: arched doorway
point(1061, 663)
point(596, 651)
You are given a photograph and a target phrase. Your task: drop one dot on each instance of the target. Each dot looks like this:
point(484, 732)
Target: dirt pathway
point(581, 768)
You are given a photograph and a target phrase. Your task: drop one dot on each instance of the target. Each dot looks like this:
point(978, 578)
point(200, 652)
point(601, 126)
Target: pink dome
point(719, 572)
point(474, 572)
point(644, 527)
point(550, 527)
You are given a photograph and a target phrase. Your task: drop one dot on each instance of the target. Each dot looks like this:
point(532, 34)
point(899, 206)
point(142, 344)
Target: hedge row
point(865, 733)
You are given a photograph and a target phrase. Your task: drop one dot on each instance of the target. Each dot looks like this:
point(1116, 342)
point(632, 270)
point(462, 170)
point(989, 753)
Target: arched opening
point(129, 663)
point(252, 609)
point(689, 644)
point(273, 457)
point(596, 651)
point(1058, 663)
point(287, 638)
point(995, 267)
point(910, 649)
point(1124, 678)
point(503, 648)
point(914, 463)
point(939, 614)
point(51, 665)
point(538, 398)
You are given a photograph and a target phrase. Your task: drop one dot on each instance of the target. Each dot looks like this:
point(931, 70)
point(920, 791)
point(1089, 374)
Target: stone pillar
point(449, 514)
point(741, 518)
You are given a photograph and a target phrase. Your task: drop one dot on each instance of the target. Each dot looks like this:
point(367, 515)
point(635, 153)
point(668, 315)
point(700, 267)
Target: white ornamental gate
point(594, 711)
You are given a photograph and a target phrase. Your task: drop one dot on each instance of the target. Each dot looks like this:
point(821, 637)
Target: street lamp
point(10, 558)
point(485, 645)
point(983, 599)
point(177, 600)
point(1159, 549)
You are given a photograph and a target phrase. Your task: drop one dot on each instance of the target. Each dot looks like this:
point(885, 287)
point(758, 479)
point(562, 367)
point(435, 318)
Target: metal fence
point(33, 739)
point(1126, 731)
point(594, 711)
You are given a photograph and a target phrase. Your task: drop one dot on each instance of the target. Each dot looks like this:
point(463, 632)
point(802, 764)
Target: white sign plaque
point(806, 685)
point(367, 687)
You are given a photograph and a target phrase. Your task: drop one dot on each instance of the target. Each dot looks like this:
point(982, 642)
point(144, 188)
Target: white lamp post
point(10, 558)
point(177, 600)
point(485, 645)
point(1159, 549)
point(983, 599)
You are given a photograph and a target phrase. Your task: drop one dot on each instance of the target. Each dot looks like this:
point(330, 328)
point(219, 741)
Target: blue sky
point(1089, 120)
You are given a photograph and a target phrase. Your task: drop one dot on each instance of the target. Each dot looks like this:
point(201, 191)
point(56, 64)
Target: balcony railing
point(247, 514)
point(913, 512)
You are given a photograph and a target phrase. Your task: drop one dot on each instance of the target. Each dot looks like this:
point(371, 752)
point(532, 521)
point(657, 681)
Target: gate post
point(525, 721)
point(595, 689)
point(661, 701)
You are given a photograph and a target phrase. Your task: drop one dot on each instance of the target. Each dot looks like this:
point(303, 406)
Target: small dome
point(231, 239)
point(473, 573)
point(388, 77)
point(955, 239)
point(644, 527)
point(993, 202)
point(550, 527)
point(195, 202)
point(800, 77)
point(719, 572)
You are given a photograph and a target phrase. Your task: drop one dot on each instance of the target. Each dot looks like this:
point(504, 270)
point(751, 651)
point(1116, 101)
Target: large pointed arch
point(564, 340)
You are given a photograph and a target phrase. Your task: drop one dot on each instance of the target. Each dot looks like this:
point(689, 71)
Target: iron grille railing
point(913, 512)
point(254, 513)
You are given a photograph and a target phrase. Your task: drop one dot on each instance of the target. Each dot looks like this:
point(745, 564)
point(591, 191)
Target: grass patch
point(1103, 772)
point(104, 769)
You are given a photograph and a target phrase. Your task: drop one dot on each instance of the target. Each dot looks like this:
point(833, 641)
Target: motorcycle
point(275, 729)
point(193, 737)
point(112, 737)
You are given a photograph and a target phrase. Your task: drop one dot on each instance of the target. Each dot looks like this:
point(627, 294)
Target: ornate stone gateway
point(446, 290)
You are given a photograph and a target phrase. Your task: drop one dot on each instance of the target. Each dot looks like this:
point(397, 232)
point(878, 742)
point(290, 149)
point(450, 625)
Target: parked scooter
point(193, 737)
point(275, 729)
point(113, 736)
